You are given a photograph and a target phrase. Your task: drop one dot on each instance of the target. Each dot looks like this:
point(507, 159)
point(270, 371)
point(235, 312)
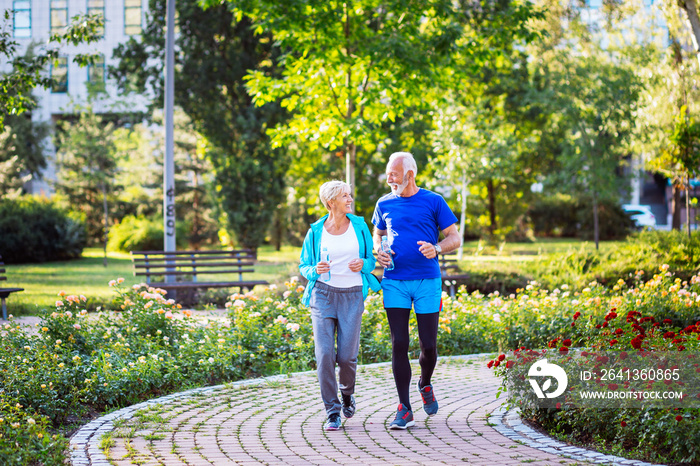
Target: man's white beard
point(398, 188)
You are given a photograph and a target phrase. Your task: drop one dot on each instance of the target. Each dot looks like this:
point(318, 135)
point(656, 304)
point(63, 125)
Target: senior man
point(412, 218)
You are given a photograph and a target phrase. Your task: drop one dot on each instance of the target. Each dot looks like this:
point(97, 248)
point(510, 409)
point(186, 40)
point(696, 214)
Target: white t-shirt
point(342, 249)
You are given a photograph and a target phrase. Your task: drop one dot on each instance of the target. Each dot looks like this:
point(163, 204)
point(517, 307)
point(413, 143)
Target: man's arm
point(452, 239)
point(451, 242)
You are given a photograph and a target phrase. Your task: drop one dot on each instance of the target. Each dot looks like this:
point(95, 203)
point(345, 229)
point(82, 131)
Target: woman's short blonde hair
point(332, 189)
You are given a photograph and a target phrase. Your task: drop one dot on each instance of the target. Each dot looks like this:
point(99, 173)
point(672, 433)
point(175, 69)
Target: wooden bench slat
point(199, 253)
point(162, 264)
point(189, 272)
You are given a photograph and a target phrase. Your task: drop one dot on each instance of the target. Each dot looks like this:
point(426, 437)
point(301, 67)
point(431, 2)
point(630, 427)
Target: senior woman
point(337, 302)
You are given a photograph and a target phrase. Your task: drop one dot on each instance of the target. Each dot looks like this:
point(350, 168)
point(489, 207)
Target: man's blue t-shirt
point(408, 220)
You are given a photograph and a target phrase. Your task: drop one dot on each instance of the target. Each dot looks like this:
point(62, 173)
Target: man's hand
point(384, 259)
point(427, 249)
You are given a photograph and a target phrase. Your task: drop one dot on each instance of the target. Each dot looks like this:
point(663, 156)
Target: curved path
point(278, 420)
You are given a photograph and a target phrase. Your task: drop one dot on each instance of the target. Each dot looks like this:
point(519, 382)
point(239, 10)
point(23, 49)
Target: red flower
point(501, 357)
point(611, 315)
point(490, 364)
point(612, 386)
point(563, 350)
point(566, 342)
point(679, 418)
point(623, 356)
point(667, 321)
point(623, 424)
point(612, 342)
point(573, 324)
point(496, 363)
point(619, 331)
point(681, 348)
point(605, 324)
point(577, 315)
point(669, 334)
point(553, 343)
point(598, 326)
point(636, 343)
point(510, 364)
point(558, 405)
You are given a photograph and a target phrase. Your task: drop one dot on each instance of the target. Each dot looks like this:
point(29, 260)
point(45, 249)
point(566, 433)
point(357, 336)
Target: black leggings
point(400, 363)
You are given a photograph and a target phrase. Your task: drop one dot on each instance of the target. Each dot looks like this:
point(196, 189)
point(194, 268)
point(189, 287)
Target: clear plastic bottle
point(326, 277)
point(387, 249)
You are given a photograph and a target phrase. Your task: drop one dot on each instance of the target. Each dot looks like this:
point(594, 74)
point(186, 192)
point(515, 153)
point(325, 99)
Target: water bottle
point(387, 249)
point(326, 277)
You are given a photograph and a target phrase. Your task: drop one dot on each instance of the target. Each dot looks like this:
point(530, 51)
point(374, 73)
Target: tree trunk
point(462, 219)
point(596, 225)
point(492, 207)
point(106, 232)
point(691, 10)
point(676, 207)
point(687, 202)
point(350, 162)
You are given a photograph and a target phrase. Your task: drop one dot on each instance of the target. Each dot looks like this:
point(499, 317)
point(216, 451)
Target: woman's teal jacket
point(311, 253)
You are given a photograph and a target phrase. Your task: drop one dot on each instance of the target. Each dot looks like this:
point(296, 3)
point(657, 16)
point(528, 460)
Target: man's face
point(395, 177)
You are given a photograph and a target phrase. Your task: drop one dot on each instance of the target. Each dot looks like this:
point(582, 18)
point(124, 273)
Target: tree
point(28, 71)
point(349, 67)
point(87, 165)
point(215, 51)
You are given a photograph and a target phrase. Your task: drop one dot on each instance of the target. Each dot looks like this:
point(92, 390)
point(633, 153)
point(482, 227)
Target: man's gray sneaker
point(430, 404)
point(333, 422)
point(404, 419)
point(348, 406)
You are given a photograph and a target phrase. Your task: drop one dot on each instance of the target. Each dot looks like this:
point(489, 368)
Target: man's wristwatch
point(438, 249)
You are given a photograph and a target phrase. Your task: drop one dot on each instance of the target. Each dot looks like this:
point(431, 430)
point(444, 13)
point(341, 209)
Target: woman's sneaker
point(348, 406)
point(430, 404)
point(404, 419)
point(333, 422)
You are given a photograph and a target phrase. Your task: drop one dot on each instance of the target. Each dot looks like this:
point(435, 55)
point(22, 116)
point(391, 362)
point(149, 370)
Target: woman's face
point(342, 204)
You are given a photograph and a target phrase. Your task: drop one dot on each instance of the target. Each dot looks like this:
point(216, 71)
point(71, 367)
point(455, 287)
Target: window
point(97, 7)
point(132, 17)
point(96, 71)
point(22, 20)
point(59, 15)
point(59, 73)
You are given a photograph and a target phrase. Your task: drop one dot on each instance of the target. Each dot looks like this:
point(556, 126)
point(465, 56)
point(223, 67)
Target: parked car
point(641, 215)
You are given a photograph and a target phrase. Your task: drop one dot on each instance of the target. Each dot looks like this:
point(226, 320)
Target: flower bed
point(77, 364)
point(657, 317)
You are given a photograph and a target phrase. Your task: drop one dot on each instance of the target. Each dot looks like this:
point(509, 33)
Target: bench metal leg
point(4, 309)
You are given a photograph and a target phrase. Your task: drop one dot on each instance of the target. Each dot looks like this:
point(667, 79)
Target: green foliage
point(29, 71)
point(141, 234)
point(35, 230)
point(641, 252)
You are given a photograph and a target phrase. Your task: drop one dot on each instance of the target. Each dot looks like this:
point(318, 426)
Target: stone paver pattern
point(280, 421)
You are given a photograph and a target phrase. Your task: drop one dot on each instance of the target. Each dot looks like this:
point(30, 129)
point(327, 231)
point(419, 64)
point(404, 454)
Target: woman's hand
point(323, 267)
point(356, 265)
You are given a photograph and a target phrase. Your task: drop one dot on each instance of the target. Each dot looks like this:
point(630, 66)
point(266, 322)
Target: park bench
point(451, 273)
point(188, 266)
point(5, 292)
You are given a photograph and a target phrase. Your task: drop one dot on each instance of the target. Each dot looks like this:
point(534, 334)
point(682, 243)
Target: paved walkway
point(279, 420)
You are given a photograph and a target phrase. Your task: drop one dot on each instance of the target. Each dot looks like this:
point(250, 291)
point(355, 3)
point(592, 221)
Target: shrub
point(140, 234)
point(564, 216)
point(35, 230)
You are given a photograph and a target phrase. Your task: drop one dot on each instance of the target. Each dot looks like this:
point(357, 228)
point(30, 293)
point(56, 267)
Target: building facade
point(31, 25)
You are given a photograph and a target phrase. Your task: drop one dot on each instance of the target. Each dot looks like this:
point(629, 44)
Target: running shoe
point(333, 422)
point(404, 419)
point(348, 406)
point(430, 404)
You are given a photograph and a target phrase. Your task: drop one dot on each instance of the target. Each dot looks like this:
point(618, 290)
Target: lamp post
point(169, 161)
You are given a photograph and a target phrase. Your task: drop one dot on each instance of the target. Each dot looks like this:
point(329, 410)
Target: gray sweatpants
point(336, 311)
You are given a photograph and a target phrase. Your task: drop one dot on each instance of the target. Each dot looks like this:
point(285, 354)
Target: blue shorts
point(425, 295)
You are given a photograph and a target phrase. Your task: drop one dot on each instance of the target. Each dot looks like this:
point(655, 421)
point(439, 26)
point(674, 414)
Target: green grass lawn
point(88, 276)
